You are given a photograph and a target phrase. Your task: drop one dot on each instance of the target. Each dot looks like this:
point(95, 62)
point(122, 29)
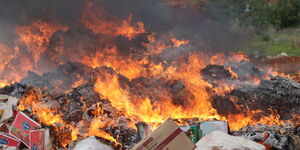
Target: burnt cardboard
point(167, 136)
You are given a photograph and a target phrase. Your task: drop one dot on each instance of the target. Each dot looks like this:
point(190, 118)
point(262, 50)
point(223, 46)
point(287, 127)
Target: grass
point(272, 44)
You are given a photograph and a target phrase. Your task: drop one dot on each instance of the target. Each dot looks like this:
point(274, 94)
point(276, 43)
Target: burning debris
point(275, 136)
point(280, 94)
point(83, 112)
point(108, 81)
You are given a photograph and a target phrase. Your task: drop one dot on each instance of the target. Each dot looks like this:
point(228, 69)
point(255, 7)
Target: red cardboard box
point(8, 140)
point(21, 127)
point(37, 139)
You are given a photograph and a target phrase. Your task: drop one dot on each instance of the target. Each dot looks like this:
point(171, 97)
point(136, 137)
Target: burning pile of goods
point(73, 115)
point(110, 83)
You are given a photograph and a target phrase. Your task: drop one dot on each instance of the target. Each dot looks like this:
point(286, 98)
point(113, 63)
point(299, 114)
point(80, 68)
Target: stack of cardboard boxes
point(22, 131)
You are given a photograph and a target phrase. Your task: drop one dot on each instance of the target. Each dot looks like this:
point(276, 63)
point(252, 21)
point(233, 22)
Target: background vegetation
point(272, 26)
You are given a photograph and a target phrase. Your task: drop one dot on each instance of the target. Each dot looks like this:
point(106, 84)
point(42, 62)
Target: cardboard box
point(40, 139)
point(22, 126)
point(210, 126)
point(167, 136)
point(37, 139)
point(8, 140)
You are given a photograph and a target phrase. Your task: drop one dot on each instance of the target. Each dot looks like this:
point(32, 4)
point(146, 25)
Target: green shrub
point(285, 13)
point(265, 37)
point(280, 14)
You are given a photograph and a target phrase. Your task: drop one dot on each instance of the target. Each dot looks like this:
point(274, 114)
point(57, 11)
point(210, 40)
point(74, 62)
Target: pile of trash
point(76, 107)
point(18, 131)
point(211, 135)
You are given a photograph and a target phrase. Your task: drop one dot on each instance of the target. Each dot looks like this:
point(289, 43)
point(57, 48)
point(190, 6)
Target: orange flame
point(178, 43)
point(233, 74)
point(49, 116)
point(37, 35)
point(96, 129)
point(99, 21)
point(147, 110)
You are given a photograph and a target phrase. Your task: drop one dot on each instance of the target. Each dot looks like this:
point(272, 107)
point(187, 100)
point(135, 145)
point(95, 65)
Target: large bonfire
point(123, 68)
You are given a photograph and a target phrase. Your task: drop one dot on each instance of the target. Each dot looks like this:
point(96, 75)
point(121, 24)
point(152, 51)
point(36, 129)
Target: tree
point(265, 13)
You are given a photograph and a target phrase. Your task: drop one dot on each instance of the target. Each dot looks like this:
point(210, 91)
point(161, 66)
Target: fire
point(111, 58)
point(144, 110)
point(3, 83)
point(49, 116)
point(186, 70)
point(221, 59)
point(8, 70)
point(37, 36)
point(15, 63)
point(178, 43)
point(238, 121)
point(233, 74)
point(96, 127)
point(8, 56)
point(118, 97)
point(294, 76)
point(44, 114)
point(98, 20)
point(98, 124)
point(81, 81)
point(157, 46)
point(239, 56)
point(150, 111)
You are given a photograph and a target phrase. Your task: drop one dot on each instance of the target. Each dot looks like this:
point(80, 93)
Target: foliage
point(277, 13)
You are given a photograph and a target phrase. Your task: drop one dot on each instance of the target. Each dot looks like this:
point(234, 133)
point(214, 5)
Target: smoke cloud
point(202, 27)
